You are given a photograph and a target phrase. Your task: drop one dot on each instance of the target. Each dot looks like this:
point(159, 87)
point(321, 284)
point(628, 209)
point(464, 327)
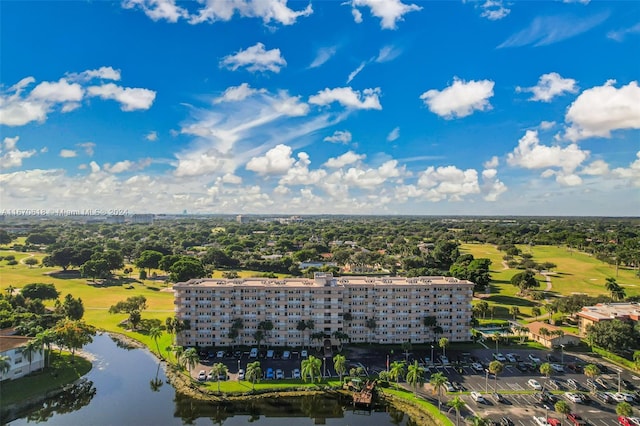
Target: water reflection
point(73, 398)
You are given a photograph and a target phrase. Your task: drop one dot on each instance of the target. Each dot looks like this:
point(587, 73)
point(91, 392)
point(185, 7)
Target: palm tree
point(562, 407)
point(155, 333)
point(190, 358)
point(415, 376)
point(46, 339)
point(219, 369)
point(443, 343)
point(524, 331)
point(619, 294)
point(611, 286)
point(496, 338)
point(340, 365)
point(476, 420)
point(437, 381)
point(301, 326)
point(258, 336)
point(177, 353)
point(397, 371)
point(591, 371)
point(170, 325)
point(544, 332)
point(253, 373)
point(535, 311)
point(636, 358)
point(30, 348)
point(371, 325)
point(347, 317)
point(5, 364)
point(546, 369)
point(495, 368)
point(456, 404)
point(515, 311)
point(311, 367)
point(624, 409)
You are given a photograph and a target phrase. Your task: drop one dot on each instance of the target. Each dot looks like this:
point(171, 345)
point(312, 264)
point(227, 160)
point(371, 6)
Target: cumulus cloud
point(389, 11)
point(237, 93)
point(158, 10)
point(102, 73)
point(323, 55)
point(492, 163)
point(596, 168)
point(370, 178)
point(255, 58)
point(549, 86)
point(631, 173)
point(494, 10)
point(152, 136)
point(10, 155)
point(276, 161)
point(448, 183)
point(460, 99)
point(339, 136)
point(546, 125)
point(300, 174)
point(621, 34)
point(129, 98)
point(600, 110)
point(393, 135)
point(348, 97)
point(68, 153)
point(545, 30)
point(345, 159)
point(491, 186)
point(88, 147)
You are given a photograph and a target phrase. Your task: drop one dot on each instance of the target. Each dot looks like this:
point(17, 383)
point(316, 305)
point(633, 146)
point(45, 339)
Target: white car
point(533, 383)
point(444, 360)
point(303, 353)
point(296, 373)
point(511, 358)
point(220, 354)
point(279, 374)
point(499, 357)
point(557, 368)
point(202, 376)
point(534, 358)
point(477, 366)
point(477, 397)
point(270, 353)
point(621, 396)
point(241, 374)
point(286, 355)
point(449, 387)
point(635, 420)
point(541, 421)
point(253, 353)
point(573, 397)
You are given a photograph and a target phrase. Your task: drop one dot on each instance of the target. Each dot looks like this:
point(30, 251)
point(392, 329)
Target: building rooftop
point(11, 342)
point(323, 280)
point(605, 311)
point(535, 326)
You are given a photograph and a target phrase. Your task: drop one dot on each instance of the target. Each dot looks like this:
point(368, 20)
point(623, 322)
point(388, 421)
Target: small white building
point(20, 362)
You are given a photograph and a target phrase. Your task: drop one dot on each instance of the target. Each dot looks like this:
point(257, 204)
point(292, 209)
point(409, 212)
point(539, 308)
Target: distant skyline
point(372, 107)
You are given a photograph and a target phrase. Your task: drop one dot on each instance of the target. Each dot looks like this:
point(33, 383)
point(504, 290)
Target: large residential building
point(367, 309)
point(554, 337)
point(607, 312)
point(20, 362)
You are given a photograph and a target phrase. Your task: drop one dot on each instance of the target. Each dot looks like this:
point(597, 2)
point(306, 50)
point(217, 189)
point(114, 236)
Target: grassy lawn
point(409, 397)
point(45, 380)
point(243, 386)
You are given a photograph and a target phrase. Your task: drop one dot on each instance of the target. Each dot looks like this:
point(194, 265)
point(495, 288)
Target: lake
point(128, 387)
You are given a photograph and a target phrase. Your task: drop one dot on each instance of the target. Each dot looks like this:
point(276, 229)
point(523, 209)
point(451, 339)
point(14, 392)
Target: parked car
point(621, 396)
point(603, 397)
point(506, 421)
point(552, 358)
point(210, 375)
point(554, 422)
point(220, 354)
point(303, 353)
point(554, 384)
point(241, 374)
point(269, 373)
point(603, 368)
point(575, 419)
point(296, 373)
point(253, 353)
point(459, 386)
point(477, 397)
point(533, 383)
point(573, 397)
point(477, 367)
point(286, 355)
point(270, 353)
point(534, 358)
point(499, 357)
point(557, 368)
point(222, 376)
point(202, 376)
point(449, 387)
point(635, 420)
point(572, 384)
point(576, 368)
point(499, 398)
point(624, 421)
point(602, 383)
point(279, 374)
point(522, 367)
point(444, 360)
point(540, 421)
point(628, 385)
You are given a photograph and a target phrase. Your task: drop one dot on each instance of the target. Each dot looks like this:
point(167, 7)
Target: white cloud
point(545, 30)
point(255, 58)
point(549, 86)
point(596, 168)
point(389, 11)
point(345, 159)
point(357, 15)
point(632, 173)
point(158, 9)
point(126, 166)
point(339, 136)
point(355, 72)
point(370, 178)
point(103, 73)
point(600, 110)
point(492, 163)
point(276, 161)
point(237, 93)
point(491, 187)
point(620, 35)
point(388, 53)
point(348, 97)
point(448, 183)
point(88, 147)
point(530, 154)
point(460, 99)
point(546, 125)
point(224, 10)
point(300, 174)
point(393, 135)
point(231, 178)
point(323, 55)
point(494, 10)
point(130, 99)
point(152, 136)
point(57, 92)
point(68, 153)
point(10, 155)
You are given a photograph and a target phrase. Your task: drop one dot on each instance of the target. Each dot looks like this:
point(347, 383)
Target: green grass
point(59, 373)
point(423, 405)
point(243, 386)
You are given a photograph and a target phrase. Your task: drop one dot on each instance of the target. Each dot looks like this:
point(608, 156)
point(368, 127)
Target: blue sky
point(357, 107)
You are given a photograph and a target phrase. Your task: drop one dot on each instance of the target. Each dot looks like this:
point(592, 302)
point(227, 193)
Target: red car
point(624, 421)
point(575, 419)
point(554, 422)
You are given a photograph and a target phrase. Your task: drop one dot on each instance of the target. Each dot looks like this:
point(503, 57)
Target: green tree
point(371, 324)
point(562, 407)
point(415, 376)
point(614, 336)
point(149, 259)
point(155, 333)
point(258, 336)
point(95, 269)
point(437, 381)
point(476, 420)
point(443, 343)
point(5, 365)
point(636, 359)
point(396, 372)
point(219, 369)
point(40, 291)
point(457, 404)
point(31, 348)
point(525, 280)
point(73, 308)
point(253, 373)
point(495, 368)
point(483, 308)
point(340, 365)
point(546, 370)
point(186, 269)
point(515, 311)
point(190, 358)
point(46, 339)
point(624, 409)
point(74, 334)
point(591, 371)
point(535, 311)
point(311, 368)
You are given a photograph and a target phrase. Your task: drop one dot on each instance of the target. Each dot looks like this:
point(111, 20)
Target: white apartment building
point(20, 363)
point(397, 304)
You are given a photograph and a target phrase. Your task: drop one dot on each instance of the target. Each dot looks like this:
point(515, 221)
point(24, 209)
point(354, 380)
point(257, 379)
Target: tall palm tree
point(496, 338)
point(591, 371)
point(340, 365)
point(535, 311)
point(546, 370)
point(495, 368)
point(253, 373)
point(258, 337)
point(562, 407)
point(311, 325)
point(371, 325)
point(301, 326)
point(30, 348)
point(170, 326)
point(525, 331)
point(5, 364)
point(456, 404)
point(544, 332)
point(190, 358)
point(415, 376)
point(219, 369)
point(437, 381)
point(515, 311)
point(46, 339)
point(443, 343)
point(397, 371)
point(476, 420)
point(177, 353)
point(311, 367)
point(155, 333)
point(611, 286)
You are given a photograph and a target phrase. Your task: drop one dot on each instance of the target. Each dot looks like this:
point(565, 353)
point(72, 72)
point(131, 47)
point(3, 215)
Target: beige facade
point(607, 312)
point(21, 363)
point(398, 305)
